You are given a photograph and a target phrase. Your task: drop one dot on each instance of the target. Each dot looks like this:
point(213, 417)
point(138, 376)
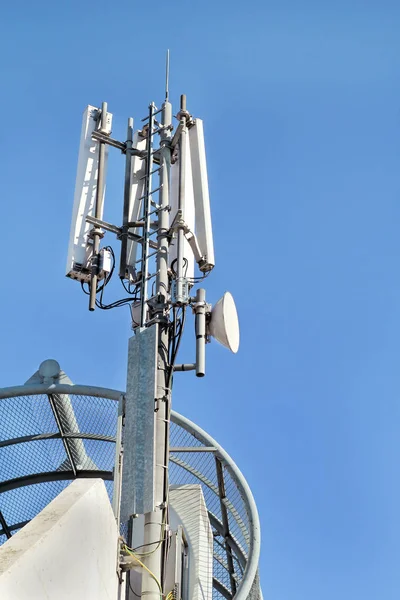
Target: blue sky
point(301, 104)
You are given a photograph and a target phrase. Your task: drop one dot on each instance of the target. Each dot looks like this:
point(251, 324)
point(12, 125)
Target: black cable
point(172, 266)
point(172, 335)
point(177, 343)
point(131, 588)
point(179, 337)
point(128, 289)
point(100, 289)
point(145, 545)
point(176, 326)
point(185, 266)
point(83, 288)
point(198, 279)
point(116, 304)
point(124, 285)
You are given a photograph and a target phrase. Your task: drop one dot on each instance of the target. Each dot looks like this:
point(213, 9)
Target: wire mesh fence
point(49, 439)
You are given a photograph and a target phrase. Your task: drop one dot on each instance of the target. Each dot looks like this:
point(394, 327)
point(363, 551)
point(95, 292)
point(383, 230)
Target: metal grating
point(48, 439)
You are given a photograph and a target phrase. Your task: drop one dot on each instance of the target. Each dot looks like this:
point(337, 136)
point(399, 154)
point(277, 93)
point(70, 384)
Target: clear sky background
point(301, 104)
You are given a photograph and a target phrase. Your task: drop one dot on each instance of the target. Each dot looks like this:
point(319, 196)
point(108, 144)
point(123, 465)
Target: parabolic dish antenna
point(224, 323)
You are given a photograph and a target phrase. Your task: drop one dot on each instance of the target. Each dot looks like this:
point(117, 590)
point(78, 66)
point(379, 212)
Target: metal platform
point(40, 454)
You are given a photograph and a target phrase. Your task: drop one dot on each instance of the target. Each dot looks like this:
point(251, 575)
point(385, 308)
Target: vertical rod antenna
point(167, 77)
point(183, 102)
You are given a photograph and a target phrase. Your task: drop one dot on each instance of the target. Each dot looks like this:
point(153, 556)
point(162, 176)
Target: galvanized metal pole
point(97, 233)
point(200, 311)
point(146, 217)
point(154, 522)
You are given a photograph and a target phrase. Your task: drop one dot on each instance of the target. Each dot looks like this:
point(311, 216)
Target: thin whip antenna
point(167, 77)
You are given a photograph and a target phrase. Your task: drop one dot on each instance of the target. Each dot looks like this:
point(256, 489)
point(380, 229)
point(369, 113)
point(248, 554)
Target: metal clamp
point(96, 232)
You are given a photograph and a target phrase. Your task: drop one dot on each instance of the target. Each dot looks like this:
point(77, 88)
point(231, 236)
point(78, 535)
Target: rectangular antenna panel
point(85, 196)
point(201, 195)
point(188, 211)
point(138, 172)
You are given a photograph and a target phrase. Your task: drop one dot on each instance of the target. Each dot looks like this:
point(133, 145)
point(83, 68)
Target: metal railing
point(52, 434)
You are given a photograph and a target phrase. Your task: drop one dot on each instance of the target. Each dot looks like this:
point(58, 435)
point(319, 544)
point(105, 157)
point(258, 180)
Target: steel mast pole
point(154, 522)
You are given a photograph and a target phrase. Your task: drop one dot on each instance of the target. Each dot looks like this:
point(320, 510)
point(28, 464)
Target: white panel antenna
point(187, 210)
point(138, 171)
point(201, 196)
point(79, 250)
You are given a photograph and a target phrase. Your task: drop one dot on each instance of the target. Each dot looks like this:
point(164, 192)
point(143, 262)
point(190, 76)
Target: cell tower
point(166, 252)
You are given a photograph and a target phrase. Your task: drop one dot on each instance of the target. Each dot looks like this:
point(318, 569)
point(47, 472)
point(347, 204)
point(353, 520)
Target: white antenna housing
point(188, 211)
point(79, 250)
point(201, 195)
point(138, 171)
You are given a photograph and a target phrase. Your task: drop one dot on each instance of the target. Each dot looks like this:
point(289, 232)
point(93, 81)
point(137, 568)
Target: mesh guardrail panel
point(48, 440)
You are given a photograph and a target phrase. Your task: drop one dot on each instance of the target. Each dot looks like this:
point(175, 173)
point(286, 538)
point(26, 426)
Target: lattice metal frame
point(40, 455)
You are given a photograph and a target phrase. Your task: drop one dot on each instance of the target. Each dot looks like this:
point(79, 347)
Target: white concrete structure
point(68, 551)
